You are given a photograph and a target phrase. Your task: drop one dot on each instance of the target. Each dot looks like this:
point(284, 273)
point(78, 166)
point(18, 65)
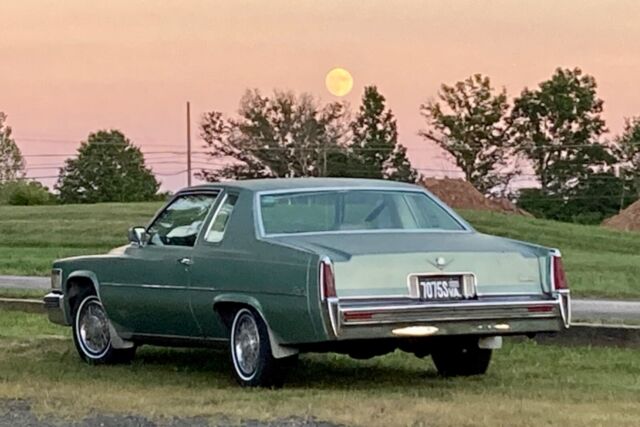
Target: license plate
point(439, 288)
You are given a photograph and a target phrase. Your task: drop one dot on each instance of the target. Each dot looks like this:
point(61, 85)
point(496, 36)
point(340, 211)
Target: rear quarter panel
point(276, 279)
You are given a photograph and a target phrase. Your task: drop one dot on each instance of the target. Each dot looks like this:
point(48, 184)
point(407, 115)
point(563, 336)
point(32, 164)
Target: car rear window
point(359, 210)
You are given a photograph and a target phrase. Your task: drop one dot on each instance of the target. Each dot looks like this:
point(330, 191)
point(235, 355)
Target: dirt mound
point(460, 194)
point(627, 220)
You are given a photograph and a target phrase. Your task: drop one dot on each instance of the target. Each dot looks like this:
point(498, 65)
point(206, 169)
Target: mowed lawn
point(599, 262)
point(527, 385)
point(31, 237)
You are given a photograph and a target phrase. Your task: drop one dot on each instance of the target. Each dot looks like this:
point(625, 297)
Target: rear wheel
point(253, 362)
point(461, 359)
point(91, 334)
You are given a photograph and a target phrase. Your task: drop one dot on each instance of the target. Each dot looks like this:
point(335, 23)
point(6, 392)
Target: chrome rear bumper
point(376, 318)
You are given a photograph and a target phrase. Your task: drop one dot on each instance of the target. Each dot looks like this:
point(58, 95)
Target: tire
point(461, 359)
point(250, 351)
point(91, 334)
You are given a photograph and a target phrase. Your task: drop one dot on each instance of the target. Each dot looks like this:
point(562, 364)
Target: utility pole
point(188, 144)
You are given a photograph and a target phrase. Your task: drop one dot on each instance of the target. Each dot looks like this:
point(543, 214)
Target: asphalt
point(25, 282)
point(583, 310)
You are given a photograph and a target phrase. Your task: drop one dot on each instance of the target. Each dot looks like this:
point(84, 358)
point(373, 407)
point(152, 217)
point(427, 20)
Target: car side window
point(215, 233)
point(180, 223)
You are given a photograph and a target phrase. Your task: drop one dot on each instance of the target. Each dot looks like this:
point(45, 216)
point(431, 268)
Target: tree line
point(556, 130)
point(553, 134)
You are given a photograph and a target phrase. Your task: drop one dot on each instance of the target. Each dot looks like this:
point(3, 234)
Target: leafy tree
point(288, 135)
point(557, 127)
point(109, 168)
point(374, 145)
point(11, 160)
point(628, 151)
point(469, 122)
point(280, 136)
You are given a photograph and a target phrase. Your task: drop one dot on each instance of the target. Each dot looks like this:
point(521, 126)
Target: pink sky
point(70, 67)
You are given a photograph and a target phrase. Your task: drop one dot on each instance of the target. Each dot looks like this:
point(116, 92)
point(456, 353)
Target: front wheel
point(461, 359)
point(253, 362)
point(91, 334)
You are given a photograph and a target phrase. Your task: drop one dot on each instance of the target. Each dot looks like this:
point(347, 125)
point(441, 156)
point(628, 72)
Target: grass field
point(527, 385)
point(599, 262)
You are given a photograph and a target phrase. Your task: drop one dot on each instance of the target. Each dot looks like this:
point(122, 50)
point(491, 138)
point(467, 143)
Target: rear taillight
point(327, 281)
point(559, 277)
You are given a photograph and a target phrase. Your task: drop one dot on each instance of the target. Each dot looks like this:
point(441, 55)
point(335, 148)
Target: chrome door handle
point(186, 261)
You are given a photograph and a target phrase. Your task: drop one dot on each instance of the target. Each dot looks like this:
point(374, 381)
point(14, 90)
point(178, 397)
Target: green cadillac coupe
point(272, 268)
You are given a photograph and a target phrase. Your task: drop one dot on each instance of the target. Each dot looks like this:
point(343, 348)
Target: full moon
point(339, 82)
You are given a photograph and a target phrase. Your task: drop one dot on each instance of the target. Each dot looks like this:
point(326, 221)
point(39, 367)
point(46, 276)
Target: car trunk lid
point(380, 263)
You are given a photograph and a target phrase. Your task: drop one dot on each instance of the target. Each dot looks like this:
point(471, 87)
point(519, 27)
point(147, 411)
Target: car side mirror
point(138, 235)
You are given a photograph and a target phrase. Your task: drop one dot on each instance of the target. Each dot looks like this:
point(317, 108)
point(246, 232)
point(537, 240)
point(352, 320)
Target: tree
point(558, 127)
point(11, 160)
point(288, 135)
point(374, 145)
point(280, 136)
point(469, 122)
point(628, 152)
point(108, 168)
point(594, 198)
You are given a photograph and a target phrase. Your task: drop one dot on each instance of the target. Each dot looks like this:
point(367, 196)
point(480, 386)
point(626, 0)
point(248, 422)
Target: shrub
point(25, 193)
point(592, 199)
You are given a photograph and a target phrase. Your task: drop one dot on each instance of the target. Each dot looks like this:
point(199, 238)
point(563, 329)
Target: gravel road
point(18, 413)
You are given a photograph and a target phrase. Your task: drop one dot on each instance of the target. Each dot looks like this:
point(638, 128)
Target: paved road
point(583, 309)
point(25, 282)
point(598, 309)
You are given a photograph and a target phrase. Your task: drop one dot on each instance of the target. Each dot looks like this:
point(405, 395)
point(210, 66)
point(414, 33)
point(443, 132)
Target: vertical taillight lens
point(559, 277)
point(327, 281)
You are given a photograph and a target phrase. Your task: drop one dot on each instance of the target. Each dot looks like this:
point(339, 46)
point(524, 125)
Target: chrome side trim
point(173, 287)
point(380, 231)
point(564, 299)
point(225, 196)
point(178, 337)
point(333, 307)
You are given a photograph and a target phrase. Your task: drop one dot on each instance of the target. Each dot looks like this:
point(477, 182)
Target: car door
point(216, 260)
point(152, 293)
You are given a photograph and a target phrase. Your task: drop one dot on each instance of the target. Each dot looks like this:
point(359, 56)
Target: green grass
point(527, 385)
point(599, 262)
point(31, 237)
point(22, 293)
